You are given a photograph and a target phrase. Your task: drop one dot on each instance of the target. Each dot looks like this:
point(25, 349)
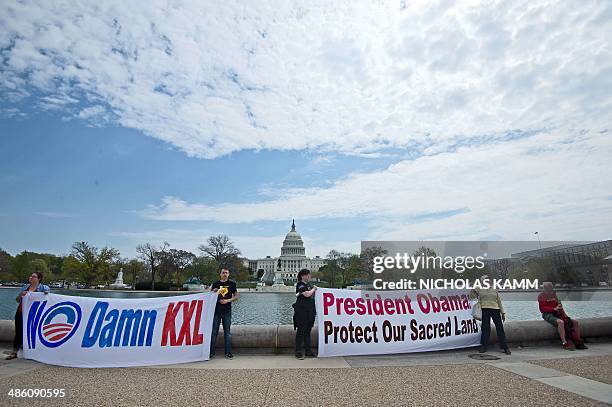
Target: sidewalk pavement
point(534, 376)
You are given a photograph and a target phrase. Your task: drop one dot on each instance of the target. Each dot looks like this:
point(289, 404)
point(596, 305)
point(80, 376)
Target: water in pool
point(275, 308)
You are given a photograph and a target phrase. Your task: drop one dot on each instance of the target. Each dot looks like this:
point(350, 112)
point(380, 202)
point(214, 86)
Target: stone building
point(292, 259)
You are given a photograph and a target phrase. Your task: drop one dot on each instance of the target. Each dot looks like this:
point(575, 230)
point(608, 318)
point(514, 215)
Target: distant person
point(304, 314)
point(227, 293)
point(492, 308)
point(34, 285)
point(553, 313)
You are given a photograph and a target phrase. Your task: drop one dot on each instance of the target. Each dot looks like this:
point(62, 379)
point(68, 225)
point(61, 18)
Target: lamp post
point(539, 243)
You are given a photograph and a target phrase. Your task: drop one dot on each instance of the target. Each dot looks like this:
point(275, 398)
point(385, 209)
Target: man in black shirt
point(227, 293)
point(304, 313)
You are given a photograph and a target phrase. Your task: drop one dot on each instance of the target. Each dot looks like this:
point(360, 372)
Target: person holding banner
point(227, 293)
point(304, 314)
point(492, 308)
point(34, 285)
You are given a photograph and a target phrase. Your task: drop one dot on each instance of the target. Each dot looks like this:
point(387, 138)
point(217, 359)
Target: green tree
point(340, 268)
point(239, 271)
point(71, 269)
point(134, 269)
point(206, 269)
point(95, 262)
point(354, 270)
point(173, 263)
point(21, 265)
point(39, 266)
point(6, 273)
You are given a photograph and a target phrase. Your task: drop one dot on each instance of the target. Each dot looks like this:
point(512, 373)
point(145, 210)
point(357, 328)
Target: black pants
point(18, 341)
point(302, 336)
point(303, 321)
point(487, 314)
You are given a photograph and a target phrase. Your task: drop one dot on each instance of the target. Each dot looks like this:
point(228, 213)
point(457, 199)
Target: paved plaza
point(533, 376)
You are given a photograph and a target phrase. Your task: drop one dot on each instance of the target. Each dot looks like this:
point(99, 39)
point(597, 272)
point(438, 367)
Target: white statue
point(118, 284)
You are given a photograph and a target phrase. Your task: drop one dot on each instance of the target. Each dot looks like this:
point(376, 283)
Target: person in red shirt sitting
point(553, 313)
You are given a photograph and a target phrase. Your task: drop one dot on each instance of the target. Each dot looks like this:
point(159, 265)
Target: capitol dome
point(285, 268)
point(293, 245)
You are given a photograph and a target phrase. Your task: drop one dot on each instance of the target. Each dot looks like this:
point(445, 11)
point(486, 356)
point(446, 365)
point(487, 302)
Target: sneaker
point(567, 346)
point(507, 351)
point(482, 349)
point(581, 346)
point(229, 356)
point(311, 355)
point(299, 356)
point(12, 355)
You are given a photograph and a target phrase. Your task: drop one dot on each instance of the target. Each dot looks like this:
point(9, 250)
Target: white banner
point(354, 322)
point(117, 332)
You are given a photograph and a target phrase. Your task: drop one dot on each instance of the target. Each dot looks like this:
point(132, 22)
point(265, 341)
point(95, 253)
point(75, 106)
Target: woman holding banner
point(492, 308)
point(34, 285)
point(303, 314)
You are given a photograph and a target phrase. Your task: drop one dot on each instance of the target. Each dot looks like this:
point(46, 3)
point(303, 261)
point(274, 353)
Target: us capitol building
point(284, 269)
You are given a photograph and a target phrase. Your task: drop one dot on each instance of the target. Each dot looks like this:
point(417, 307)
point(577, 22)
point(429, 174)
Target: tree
point(206, 269)
point(173, 263)
point(93, 261)
point(152, 257)
point(337, 267)
point(38, 266)
point(133, 268)
point(24, 264)
point(367, 260)
point(430, 268)
point(220, 248)
point(5, 266)
point(240, 272)
point(353, 269)
point(71, 269)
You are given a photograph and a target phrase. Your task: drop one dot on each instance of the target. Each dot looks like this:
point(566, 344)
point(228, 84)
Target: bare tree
point(367, 260)
point(220, 248)
point(152, 257)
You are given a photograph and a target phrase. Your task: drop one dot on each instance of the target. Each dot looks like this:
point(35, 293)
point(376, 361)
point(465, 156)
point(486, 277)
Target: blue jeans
point(226, 318)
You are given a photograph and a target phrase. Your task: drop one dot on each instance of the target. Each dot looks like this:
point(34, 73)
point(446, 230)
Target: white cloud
point(557, 184)
point(355, 77)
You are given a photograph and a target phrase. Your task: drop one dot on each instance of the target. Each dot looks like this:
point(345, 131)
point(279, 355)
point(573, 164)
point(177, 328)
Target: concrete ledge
point(7, 330)
point(531, 332)
point(282, 336)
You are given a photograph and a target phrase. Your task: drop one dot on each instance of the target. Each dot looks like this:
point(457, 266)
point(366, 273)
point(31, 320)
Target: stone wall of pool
point(518, 333)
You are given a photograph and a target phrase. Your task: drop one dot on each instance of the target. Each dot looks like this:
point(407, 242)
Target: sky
point(130, 122)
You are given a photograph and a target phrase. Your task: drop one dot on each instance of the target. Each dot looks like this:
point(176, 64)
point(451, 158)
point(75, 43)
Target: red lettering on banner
point(184, 336)
point(169, 326)
point(185, 332)
point(328, 300)
point(198, 338)
point(423, 302)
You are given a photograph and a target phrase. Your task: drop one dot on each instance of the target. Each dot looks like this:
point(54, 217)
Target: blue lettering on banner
point(114, 329)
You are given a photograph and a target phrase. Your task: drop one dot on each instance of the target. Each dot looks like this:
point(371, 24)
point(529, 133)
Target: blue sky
point(121, 125)
point(67, 181)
